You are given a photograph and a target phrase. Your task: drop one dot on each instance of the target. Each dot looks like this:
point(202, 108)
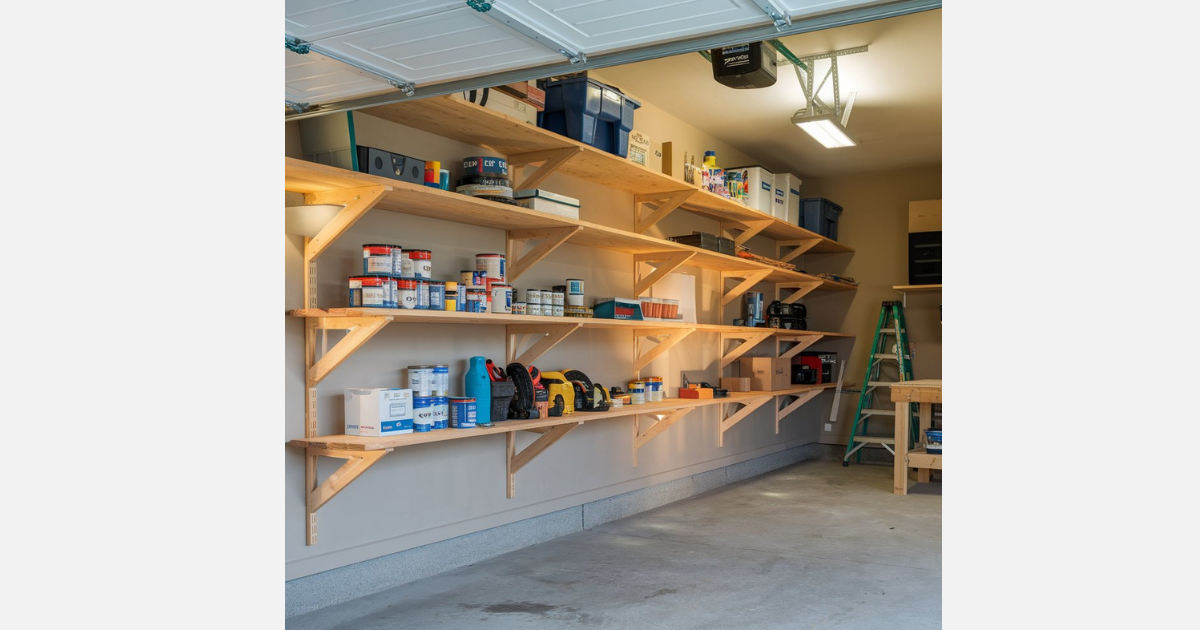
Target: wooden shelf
point(314, 179)
point(473, 124)
point(913, 288)
point(920, 458)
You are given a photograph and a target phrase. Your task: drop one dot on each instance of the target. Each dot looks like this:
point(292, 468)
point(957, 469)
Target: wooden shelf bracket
point(668, 262)
point(516, 461)
point(801, 289)
point(751, 338)
point(748, 407)
point(800, 399)
point(551, 159)
point(356, 463)
point(665, 339)
point(799, 247)
point(520, 261)
point(359, 330)
point(748, 229)
point(355, 203)
point(550, 336)
point(640, 438)
point(803, 342)
point(749, 279)
point(664, 203)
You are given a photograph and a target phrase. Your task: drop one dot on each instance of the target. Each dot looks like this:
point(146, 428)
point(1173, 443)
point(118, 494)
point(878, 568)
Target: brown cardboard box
point(925, 216)
point(767, 373)
point(736, 384)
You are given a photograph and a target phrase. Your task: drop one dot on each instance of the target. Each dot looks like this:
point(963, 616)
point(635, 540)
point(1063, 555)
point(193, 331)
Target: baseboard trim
point(343, 584)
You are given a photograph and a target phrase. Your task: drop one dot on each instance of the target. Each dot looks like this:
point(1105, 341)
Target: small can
point(370, 291)
point(420, 263)
point(441, 380)
point(533, 308)
point(421, 380)
point(575, 287)
point(559, 310)
point(437, 295)
point(558, 298)
point(451, 302)
point(518, 308)
point(444, 179)
point(423, 413)
point(501, 298)
point(493, 264)
point(637, 393)
point(422, 294)
point(441, 412)
point(654, 391)
point(533, 296)
point(379, 259)
point(476, 300)
point(406, 289)
point(462, 413)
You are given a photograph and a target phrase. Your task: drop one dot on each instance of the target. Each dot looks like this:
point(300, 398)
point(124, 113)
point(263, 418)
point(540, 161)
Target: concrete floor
point(813, 545)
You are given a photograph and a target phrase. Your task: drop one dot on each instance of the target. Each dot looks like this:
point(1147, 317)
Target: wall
point(874, 221)
point(428, 493)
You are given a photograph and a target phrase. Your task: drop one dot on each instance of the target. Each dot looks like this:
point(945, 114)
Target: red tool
point(495, 373)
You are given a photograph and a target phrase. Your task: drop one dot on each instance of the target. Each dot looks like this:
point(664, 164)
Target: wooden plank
point(357, 202)
point(347, 346)
point(929, 391)
point(518, 262)
point(518, 461)
point(746, 410)
point(914, 288)
point(552, 334)
point(665, 204)
point(551, 160)
point(900, 473)
point(799, 248)
point(787, 410)
point(355, 465)
point(669, 261)
point(922, 460)
point(750, 279)
point(750, 340)
point(658, 350)
point(925, 417)
point(749, 229)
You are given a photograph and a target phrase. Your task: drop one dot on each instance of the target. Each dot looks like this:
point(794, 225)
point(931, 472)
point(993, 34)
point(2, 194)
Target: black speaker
point(925, 257)
point(391, 165)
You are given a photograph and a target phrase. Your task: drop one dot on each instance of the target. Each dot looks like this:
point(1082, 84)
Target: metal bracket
point(404, 86)
point(813, 105)
point(781, 18)
point(512, 22)
point(297, 46)
point(299, 108)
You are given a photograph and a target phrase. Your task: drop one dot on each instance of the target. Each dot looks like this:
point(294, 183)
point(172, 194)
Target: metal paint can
point(533, 296)
point(518, 308)
point(637, 393)
point(421, 380)
point(574, 292)
point(406, 293)
point(451, 301)
point(558, 310)
point(379, 259)
point(441, 412)
point(493, 264)
point(501, 298)
point(467, 278)
point(533, 308)
point(654, 389)
point(441, 380)
point(422, 294)
point(423, 413)
point(558, 298)
point(462, 413)
point(437, 295)
point(370, 291)
point(419, 263)
point(476, 300)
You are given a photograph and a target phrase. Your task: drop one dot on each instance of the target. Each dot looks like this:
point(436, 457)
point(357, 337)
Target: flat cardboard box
point(736, 384)
point(378, 411)
point(767, 373)
point(925, 216)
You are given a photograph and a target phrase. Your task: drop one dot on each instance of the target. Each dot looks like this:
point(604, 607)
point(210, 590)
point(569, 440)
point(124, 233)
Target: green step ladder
point(890, 345)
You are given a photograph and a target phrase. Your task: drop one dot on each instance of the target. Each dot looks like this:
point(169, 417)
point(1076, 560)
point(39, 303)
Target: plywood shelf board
point(914, 288)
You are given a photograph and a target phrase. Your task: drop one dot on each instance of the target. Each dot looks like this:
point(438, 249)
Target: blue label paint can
point(441, 412)
point(423, 413)
point(462, 413)
point(436, 295)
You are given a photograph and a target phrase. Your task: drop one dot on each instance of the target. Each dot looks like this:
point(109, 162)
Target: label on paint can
point(437, 295)
point(441, 413)
point(421, 380)
point(462, 413)
point(423, 413)
point(378, 259)
point(406, 289)
point(501, 298)
point(422, 294)
point(557, 298)
point(370, 291)
point(420, 263)
point(518, 308)
point(441, 380)
point(533, 308)
point(558, 311)
point(476, 300)
point(533, 296)
point(493, 264)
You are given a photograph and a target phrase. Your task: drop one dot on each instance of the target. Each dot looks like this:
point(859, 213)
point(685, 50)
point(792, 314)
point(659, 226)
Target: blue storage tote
point(591, 112)
point(820, 215)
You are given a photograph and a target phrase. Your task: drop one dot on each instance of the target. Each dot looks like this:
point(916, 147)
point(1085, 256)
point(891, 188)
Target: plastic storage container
point(933, 441)
point(820, 215)
point(591, 112)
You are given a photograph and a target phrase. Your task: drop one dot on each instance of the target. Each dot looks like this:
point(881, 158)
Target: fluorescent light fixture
point(824, 129)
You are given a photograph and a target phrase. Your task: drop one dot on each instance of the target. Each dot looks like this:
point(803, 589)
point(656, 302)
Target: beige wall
point(874, 221)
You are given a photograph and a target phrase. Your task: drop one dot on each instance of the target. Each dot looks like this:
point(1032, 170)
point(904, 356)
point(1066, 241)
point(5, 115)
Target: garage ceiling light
point(824, 129)
point(825, 124)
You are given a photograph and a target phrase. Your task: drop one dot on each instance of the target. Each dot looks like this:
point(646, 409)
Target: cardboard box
point(379, 411)
point(787, 198)
point(543, 201)
point(695, 392)
point(760, 187)
point(645, 150)
point(736, 384)
point(767, 373)
point(925, 216)
point(527, 91)
point(503, 103)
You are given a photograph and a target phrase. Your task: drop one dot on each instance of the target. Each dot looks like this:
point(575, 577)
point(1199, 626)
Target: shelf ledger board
point(473, 124)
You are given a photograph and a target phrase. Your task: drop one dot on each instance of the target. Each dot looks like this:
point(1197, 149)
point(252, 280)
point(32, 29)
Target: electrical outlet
point(828, 427)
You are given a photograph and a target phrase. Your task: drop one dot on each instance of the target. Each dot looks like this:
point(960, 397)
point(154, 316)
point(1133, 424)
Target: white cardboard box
point(761, 187)
point(503, 103)
point(378, 411)
point(787, 198)
point(543, 201)
point(645, 150)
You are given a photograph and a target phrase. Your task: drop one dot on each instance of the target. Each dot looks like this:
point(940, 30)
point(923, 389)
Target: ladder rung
point(889, 356)
point(882, 383)
point(878, 412)
point(874, 439)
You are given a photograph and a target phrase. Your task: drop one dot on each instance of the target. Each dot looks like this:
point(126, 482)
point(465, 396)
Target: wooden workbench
point(926, 392)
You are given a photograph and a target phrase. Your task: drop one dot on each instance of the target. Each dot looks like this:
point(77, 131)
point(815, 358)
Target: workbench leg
point(926, 422)
point(903, 418)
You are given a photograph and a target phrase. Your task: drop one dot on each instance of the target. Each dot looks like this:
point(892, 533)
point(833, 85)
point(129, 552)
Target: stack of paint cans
point(558, 300)
point(653, 388)
point(637, 393)
point(430, 385)
point(376, 287)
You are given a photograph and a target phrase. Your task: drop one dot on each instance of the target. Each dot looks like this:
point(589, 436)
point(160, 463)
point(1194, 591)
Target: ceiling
point(896, 119)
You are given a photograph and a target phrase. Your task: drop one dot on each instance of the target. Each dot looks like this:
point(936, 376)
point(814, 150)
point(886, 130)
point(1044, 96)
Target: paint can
point(469, 278)
point(451, 302)
point(518, 308)
point(533, 296)
point(437, 295)
point(422, 294)
point(654, 388)
point(533, 308)
point(476, 300)
point(462, 413)
point(637, 393)
point(493, 264)
point(406, 293)
point(371, 291)
point(380, 259)
point(558, 298)
point(421, 380)
point(501, 298)
point(441, 412)
point(441, 380)
point(423, 413)
point(574, 292)
point(418, 263)
point(444, 179)
point(559, 310)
